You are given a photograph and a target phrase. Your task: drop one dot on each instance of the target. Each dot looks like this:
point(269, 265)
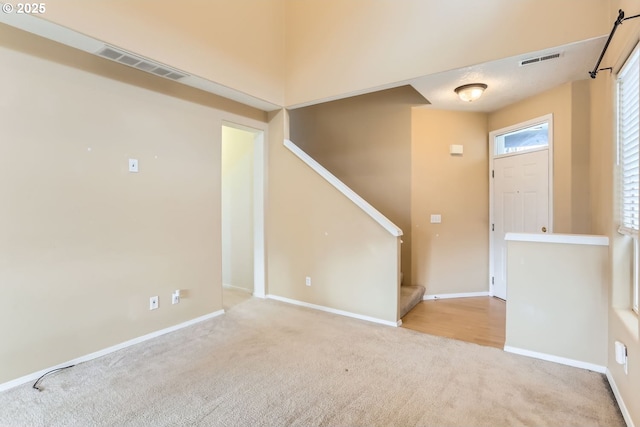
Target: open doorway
point(242, 233)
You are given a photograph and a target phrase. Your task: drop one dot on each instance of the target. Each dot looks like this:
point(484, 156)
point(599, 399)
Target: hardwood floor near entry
point(479, 320)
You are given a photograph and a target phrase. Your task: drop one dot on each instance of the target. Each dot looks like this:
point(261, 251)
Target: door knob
point(544, 229)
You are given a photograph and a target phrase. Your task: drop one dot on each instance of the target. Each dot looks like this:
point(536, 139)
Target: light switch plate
point(133, 165)
point(456, 149)
point(436, 219)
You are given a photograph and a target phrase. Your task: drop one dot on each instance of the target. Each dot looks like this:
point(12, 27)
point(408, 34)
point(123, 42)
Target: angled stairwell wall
point(315, 231)
point(366, 142)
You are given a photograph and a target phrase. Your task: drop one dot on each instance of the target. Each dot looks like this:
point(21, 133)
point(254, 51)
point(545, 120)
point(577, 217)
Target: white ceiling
point(507, 81)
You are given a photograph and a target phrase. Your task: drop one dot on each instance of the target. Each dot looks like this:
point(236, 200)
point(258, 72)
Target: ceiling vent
point(537, 59)
point(140, 63)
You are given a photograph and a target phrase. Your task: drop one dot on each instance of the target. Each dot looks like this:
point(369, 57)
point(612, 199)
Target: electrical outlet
point(175, 297)
point(153, 303)
point(307, 281)
point(621, 355)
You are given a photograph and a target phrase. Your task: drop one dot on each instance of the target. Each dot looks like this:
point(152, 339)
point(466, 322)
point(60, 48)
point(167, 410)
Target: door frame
point(259, 131)
point(548, 118)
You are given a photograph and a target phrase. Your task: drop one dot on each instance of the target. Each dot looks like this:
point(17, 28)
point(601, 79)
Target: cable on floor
point(35, 385)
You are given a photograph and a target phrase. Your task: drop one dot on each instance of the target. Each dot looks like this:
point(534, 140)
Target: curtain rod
point(619, 21)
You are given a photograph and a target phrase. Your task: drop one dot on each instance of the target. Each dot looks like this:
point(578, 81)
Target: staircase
point(410, 296)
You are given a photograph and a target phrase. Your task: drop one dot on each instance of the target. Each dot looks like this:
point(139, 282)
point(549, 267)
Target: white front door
point(520, 205)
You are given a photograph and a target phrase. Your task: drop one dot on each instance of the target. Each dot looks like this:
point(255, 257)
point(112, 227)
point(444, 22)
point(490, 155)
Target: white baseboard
point(104, 352)
point(236, 288)
point(335, 311)
point(618, 396)
point(556, 359)
point(460, 295)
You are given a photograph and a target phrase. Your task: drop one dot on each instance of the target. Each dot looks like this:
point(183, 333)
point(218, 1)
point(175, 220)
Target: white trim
point(236, 288)
point(259, 129)
point(571, 239)
point(459, 295)
point(556, 359)
point(344, 189)
point(334, 311)
point(517, 153)
point(259, 202)
point(108, 350)
point(623, 408)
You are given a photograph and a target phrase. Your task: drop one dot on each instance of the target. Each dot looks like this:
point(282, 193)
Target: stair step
point(409, 297)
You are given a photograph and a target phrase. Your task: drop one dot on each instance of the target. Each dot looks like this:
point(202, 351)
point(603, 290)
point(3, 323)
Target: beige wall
point(86, 243)
point(384, 44)
point(365, 141)
point(569, 105)
point(623, 323)
point(67, 197)
point(237, 208)
point(545, 279)
point(239, 44)
point(314, 230)
point(580, 157)
point(453, 256)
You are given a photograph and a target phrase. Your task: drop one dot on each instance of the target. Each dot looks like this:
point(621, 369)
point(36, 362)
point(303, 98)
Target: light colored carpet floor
point(266, 363)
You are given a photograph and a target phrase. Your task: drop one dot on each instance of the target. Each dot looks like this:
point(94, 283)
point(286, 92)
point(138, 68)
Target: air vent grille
point(110, 53)
point(552, 56)
point(529, 61)
point(135, 61)
point(537, 59)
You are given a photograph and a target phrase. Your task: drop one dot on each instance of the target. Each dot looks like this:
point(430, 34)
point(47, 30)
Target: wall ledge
point(629, 319)
point(571, 239)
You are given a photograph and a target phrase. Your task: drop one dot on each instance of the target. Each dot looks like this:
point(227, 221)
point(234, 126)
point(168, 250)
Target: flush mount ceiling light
point(470, 92)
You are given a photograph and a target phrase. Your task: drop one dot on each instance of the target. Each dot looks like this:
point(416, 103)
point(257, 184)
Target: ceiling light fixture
point(470, 92)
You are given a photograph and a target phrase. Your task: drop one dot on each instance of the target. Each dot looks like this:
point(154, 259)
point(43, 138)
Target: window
point(636, 264)
point(628, 158)
point(527, 139)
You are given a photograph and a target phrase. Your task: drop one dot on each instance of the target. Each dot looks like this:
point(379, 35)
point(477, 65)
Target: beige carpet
point(266, 363)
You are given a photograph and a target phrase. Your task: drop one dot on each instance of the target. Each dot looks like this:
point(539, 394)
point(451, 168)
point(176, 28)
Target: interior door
point(521, 205)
